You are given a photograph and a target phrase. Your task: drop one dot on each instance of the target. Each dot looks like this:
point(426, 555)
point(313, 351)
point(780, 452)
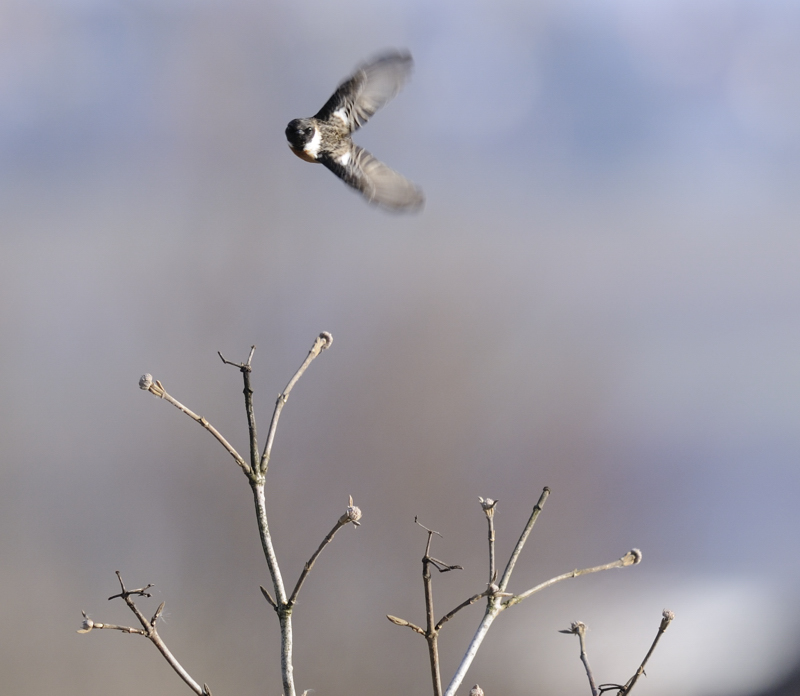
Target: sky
point(600, 296)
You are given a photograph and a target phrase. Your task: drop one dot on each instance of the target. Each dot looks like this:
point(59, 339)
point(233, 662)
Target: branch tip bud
point(666, 619)
point(633, 557)
point(87, 624)
point(487, 505)
point(352, 514)
point(577, 628)
point(145, 381)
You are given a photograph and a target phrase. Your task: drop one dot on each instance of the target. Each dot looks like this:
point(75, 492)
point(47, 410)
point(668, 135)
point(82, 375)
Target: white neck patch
point(312, 146)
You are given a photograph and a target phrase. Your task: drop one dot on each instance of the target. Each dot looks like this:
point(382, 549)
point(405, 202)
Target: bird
point(325, 137)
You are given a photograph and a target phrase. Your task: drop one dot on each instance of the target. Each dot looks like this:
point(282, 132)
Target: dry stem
point(256, 473)
point(578, 628)
point(148, 630)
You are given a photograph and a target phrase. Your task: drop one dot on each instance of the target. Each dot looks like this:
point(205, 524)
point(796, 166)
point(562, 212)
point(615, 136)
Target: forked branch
point(666, 619)
point(149, 630)
point(578, 628)
point(256, 472)
point(147, 383)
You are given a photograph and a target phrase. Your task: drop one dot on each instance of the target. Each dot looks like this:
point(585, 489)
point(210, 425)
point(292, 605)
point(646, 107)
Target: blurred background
point(601, 296)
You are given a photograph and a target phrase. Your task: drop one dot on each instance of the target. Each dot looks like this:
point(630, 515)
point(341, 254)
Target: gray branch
point(148, 630)
point(157, 389)
point(323, 341)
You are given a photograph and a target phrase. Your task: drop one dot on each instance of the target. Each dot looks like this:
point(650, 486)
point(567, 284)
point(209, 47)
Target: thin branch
point(441, 566)
point(157, 389)
point(578, 628)
point(431, 635)
point(633, 557)
point(467, 602)
point(353, 514)
point(148, 630)
point(431, 631)
point(523, 538)
point(402, 622)
point(323, 341)
point(488, 505)
point(89, 625)
point(432, 531)
point(666, 619)
point(245, 368)
point(268, 597)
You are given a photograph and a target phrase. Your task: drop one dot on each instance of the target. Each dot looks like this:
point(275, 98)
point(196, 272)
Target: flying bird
point(325, 137)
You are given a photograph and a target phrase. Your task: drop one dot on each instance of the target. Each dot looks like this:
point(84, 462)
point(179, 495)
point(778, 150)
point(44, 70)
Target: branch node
point(245, 366)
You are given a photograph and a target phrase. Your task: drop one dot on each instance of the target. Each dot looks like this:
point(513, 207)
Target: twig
point(666, 619)
point(323, 341)
point(578, 628)
point(467, 602)
point(499, 600)
point(431, 630)
point(403, 622)
point(157, 389)
point(353, 514)
point(633, 557)
point(512, 561)
point(245, 368)
point(488, 506)
point(148, 630)
point(431, 634)
point(268, 597)
point(256, 472)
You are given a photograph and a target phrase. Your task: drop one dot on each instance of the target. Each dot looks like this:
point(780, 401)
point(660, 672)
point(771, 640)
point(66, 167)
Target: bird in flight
point(325, 137)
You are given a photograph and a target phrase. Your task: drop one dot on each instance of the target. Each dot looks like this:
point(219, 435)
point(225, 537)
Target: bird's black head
point(299, 132)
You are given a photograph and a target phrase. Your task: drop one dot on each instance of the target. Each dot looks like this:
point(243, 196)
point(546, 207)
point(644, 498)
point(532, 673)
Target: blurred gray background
point(601, 296)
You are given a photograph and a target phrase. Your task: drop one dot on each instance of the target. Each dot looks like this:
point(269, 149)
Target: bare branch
point(157, 389)
point(89, 625)
point(268, 597)
point(432, 531)
point(352, 514)
point(322, 342)
point(467, 602)
point(148, 630)
point(523, 538)
point(666, 619)
point(245, 368)
point(578, 628)
point(633, 557)
point(403, 622)
point(488, 506)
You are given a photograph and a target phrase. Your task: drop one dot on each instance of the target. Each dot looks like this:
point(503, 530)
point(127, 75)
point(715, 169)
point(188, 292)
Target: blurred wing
point(378, 184)
point(367, 90)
